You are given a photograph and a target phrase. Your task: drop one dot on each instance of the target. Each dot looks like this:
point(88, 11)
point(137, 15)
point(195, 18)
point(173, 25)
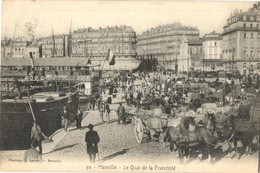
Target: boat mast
point(70, 39)
point(4, 43)
point(13, 39)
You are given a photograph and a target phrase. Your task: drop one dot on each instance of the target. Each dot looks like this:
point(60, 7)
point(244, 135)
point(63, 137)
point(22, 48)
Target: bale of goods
point(209, 106)
point(173, 122)
point(199, 111)
point(191, 114)
point(154, 123)
point(199, 117)
point(149, 113)
point(222, 109)
point(157, 112)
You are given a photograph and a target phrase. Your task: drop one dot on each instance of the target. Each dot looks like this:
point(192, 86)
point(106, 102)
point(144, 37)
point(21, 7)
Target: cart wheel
point(139, 130)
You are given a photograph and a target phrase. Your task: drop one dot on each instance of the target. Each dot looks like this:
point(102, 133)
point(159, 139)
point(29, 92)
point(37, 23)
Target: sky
point(43, 15)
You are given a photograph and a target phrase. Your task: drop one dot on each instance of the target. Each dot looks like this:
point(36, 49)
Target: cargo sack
point(157, 112)
point(154, 123)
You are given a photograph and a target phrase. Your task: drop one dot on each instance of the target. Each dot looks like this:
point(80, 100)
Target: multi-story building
point(94, 43)
point(53, 46)
point(14, 48)
point(212, 51)
point(163, 42)
point(241, 41)
point(34, 49)
point(190, 56)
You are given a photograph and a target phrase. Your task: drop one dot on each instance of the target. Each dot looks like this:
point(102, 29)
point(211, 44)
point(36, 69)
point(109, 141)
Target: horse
point(169, 135)
point(244, 131)
point(201, 139)
point(184, 141)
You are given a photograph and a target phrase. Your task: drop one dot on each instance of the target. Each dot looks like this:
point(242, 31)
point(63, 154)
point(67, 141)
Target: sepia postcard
point(130, 86)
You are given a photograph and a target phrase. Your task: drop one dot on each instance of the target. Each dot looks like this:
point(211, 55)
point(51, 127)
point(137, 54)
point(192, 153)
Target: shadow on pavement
point(114, 155)
point(84, 127)
point(64, 147)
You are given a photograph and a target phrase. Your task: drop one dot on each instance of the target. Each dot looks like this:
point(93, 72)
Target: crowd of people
point(141, 90)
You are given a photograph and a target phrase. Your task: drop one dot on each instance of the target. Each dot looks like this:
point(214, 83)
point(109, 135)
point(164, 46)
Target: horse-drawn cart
point(149, 124)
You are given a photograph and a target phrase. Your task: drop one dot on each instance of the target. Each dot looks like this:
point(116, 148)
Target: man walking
point(37, 136)
point(121, 114)
point(92, 139)
point(65, 118)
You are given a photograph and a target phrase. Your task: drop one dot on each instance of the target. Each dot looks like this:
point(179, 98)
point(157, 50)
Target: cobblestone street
point(118, 146)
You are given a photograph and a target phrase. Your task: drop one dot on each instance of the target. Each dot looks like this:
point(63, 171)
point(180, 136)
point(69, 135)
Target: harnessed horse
point(199, 139)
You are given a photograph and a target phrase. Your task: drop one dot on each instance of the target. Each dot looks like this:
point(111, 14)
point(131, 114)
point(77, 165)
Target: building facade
point(190, 57)
point(94, 43)
point(34, 49)
point(241, 41)
point(163, 42)
point(53, 46)
point(212, 51)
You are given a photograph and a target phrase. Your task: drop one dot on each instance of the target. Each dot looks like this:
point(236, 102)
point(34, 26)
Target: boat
point(19, 111)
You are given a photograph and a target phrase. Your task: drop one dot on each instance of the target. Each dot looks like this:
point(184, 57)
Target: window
point(258, 66)
point(216, 44)
point(244, 25)
point(251, 25)
point(251, 54)
point(257, 25)
point(244, 35)
point(252, 18)
point(244, 65)
point(252, 35)
point(245, 53)
point(244, 17)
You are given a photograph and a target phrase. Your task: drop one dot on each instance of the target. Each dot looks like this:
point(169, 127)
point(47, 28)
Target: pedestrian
point(65, 118)
point(93, 102)
point(107, 111)
point(37, 136)
point(101, 111)
point(121, 113)
point(79, 116)
point(32, 154)
point(114, 93)
point(92, 139)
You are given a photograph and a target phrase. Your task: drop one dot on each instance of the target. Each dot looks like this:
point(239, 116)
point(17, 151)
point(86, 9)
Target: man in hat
point(37, 136)
point(65, 118)
point(92, 139)
point(32, 155)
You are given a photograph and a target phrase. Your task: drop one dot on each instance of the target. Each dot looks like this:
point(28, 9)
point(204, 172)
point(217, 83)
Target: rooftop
point(106, 29)
point(195, 42)
point(168, 27)
point(212, 36)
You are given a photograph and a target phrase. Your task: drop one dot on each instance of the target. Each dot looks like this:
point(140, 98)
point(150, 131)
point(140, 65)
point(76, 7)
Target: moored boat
point(17, 116)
